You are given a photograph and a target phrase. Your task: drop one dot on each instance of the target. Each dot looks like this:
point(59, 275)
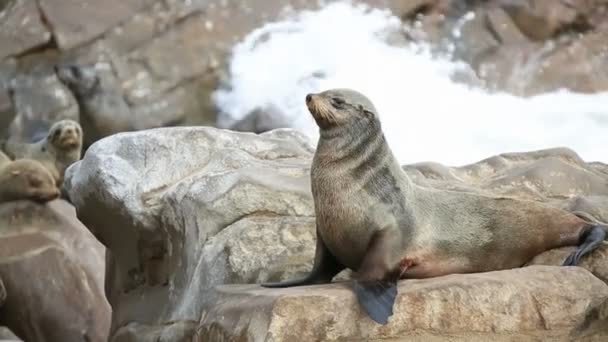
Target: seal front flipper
point(590, 239)
point(376, 298)
point(324, 269)
point(376, 284)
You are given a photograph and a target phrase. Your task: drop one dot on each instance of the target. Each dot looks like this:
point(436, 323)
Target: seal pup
point(26, 179)
point(61, 147)
point(372, 219)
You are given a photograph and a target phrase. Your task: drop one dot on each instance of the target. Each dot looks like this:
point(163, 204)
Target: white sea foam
point(425, 115)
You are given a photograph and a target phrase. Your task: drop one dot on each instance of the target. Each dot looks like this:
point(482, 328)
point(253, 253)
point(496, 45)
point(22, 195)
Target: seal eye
point(337, 102)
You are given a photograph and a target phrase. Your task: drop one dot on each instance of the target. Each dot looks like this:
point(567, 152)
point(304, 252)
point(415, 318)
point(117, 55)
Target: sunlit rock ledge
point(536, 303)
point(185, 210)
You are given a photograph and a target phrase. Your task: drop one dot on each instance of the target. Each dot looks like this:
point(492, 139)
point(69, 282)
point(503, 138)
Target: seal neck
point(360, 151)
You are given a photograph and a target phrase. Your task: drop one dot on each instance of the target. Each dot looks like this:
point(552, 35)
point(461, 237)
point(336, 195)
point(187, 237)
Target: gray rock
point(261, 120)
point(185, 209)
point(536, 303)
point(52, 268)
point(21, 28)
point(39, 100)
point(170, 220)
point(171, 332)
point(77, 22)
point(6, 335)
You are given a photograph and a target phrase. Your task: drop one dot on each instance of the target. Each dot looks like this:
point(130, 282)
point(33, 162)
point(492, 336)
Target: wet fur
point(372, 219)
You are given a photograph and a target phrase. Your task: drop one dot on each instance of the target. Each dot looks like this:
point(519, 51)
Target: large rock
point(21, 27)
point(39, 100)
point(596, 262)
point(6, 335)
point(76, 22)
point(177, 225)
point(52, 268)
point(536, 303)
point(185, 209)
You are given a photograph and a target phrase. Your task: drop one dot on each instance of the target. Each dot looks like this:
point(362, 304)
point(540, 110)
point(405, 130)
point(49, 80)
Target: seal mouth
point(69, 141)
point(321, 110)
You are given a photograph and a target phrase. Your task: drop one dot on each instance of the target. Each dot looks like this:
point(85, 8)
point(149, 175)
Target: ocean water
point(425, 115)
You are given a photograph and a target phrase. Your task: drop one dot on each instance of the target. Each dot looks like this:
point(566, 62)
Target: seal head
point(65, 135)
point(27, 179)
point(341, 108)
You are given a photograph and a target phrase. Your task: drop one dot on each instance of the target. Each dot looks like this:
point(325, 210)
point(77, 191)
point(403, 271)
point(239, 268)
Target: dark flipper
point(376, 298)
point(590, 240)
point(324, 269)
point(376, 284)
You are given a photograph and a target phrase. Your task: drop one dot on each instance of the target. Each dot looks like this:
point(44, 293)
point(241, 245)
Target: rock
point(40, 100)
point(544, 19)
point(103, 109)
point(503, 27)
point(555, 175)
point(167, 233)
point(535, 303)
point(261, 120)
point(238, 209)
point(596, 262)
point(2, 293)
point(473, 39)
point(6, 335)
point(77, 22)
point(46, 243)
point(580, 65)
point(21, 28)
point(172, 332)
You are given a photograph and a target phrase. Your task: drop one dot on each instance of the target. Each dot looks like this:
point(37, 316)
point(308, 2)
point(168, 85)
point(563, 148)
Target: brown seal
point(26, 179)
point(59, 149)
point(372, 219)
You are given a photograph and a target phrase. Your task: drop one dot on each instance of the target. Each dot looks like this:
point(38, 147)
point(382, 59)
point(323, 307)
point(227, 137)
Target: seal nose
point(308, 98)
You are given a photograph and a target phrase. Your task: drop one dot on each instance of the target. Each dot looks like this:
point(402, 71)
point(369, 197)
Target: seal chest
point(339, 208)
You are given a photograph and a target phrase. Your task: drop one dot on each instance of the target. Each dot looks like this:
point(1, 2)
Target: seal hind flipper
point(590, 240)
point(376, 298)
point(324, 269)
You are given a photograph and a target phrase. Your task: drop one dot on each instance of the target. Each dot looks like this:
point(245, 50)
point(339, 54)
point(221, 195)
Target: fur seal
point(60, 148)
point(26, 179)
point(103, 108)
point(372, 219)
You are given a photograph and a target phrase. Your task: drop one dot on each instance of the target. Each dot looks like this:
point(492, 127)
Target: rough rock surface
point(176, 226)
point(52, 268)
point(515, 305)
point(238, 209)
point(520, 46)
point(41, 100)
point(6, 335)
point(21, 27)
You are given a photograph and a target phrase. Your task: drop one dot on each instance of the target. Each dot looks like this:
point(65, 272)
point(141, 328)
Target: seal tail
point(591, 238)
point(376, 298)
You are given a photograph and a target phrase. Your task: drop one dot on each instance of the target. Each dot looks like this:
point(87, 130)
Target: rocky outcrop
point(21, 28)
point(498, 306)
point(524, 47)
point(527, 47)
point(6, 335)
point(177, 226)
point(41, 100)
point(52, 268)
point(238, 210)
